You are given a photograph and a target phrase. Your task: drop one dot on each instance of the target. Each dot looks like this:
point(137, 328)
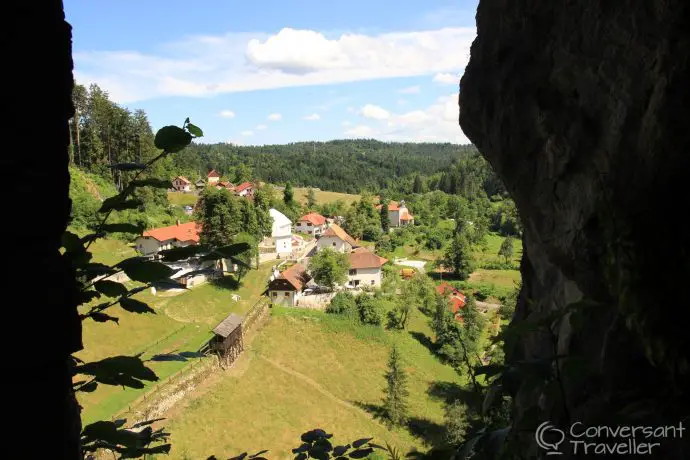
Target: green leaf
point(172, 139)
point(88, 296)
point(89, 387)
point(110, 288)
point(103, 317)
point(360, 442)
point(135, 306)
point(195, 130)
point(117, 203)
point(121, 228)
point(232, 250)
point(95, 269)
point(152, 182)
point(340, 450)
point(145, 271)
point(361, 453)
point(128, 371)
point(186, 121)
point(128, 166)
point(72, 243)
point(138, 452)
point(175, 254)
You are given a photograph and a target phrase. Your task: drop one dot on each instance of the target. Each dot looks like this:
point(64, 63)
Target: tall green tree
point(507, 249)
point(243, 173)
point(311, 199)
point(329, 268)
point(395, 402)
point(383, 216)
point(418, 186)
point(458, 257)
point(288, 194)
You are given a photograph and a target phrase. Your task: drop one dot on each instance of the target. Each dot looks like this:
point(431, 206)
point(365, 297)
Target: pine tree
point(385, 222)
point(395, 402)
point(311, 199)
point(418, 186)
point(507, 249)
point(288, 194)
point(459, 257)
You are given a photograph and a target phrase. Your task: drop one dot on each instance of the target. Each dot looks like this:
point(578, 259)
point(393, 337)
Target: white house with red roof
point(174, 236)
point(213, 177)
point(311, 224)
point(365, 269)
point(398, 214)
point(182, 184)
point(244, 189)
point(336, 239)
point(287, 287)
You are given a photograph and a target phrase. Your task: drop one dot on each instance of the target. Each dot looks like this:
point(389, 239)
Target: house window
point(309, 232)
point(356, 282)
point(275, 294)
point(353, 271)
point(373, 282)
point(308, 224)
point(334, 244)
point(287, 294)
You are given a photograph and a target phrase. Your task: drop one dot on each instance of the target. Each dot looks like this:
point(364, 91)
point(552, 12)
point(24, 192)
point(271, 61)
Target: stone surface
point(583, 109)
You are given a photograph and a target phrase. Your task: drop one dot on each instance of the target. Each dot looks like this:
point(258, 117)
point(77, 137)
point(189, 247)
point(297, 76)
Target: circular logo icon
point(550, 446)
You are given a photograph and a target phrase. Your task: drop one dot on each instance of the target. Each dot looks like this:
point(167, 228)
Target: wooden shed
point(227, 342)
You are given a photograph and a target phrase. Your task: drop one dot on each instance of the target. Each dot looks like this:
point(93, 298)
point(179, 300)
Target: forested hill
point(341, 165)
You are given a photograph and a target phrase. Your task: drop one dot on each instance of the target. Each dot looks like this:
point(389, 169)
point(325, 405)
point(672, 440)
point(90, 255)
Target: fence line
point(255, 313)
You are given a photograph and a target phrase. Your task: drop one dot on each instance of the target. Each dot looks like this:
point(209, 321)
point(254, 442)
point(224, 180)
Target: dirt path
point(320, 389)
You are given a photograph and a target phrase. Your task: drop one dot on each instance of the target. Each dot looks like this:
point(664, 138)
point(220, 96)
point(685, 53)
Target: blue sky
point(270, 71)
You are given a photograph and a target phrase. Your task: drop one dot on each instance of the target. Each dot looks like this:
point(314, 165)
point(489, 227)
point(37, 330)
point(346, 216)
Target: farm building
point(227, 341)
point(174, 236)
point(287, 288)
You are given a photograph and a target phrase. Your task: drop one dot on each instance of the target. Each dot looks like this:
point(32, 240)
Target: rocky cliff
point(583, 109)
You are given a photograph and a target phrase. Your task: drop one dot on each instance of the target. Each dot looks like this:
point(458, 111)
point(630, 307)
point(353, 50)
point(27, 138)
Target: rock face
point(583, 109)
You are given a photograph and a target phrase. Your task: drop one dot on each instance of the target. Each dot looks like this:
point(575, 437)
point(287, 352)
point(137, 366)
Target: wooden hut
point(227, 342)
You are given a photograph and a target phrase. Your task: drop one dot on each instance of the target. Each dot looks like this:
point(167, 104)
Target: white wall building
point(281, 232)
point(365, 269)
point(174, 236)
point(337, 239)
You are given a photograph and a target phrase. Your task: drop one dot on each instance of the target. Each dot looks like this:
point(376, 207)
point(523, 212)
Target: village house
point(456, 299)
point(365, 269)
point(174, 236)
point(213, 177)
point(244, 189)
point(182, 184)
point(281, 232)
point(337, 239)
point(200, 184)
point(288, 287)
point(226, 185)
point(398, 214)
point(311, 224)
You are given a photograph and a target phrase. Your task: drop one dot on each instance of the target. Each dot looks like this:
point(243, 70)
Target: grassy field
point(181, 323)
point(182, 199)
point(324, 197)
point(308, 370)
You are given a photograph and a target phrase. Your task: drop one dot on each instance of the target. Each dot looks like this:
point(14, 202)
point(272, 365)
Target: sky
point(270, 72)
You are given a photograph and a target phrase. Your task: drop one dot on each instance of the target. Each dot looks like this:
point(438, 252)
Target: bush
point(370, 309)
point(371, 233)
point(342, 304)
point(500, 266)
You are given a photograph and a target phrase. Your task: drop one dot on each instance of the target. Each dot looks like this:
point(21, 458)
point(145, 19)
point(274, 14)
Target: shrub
point(370, 309)
point(342, 304)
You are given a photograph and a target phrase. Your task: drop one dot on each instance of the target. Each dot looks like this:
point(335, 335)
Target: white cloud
point(275, 117)
point(436, 123)
point(410, 90)
point(236, 62)
point(345, 123)
point(375, 112)
point(260, 127)
point(313, 117)
point(360, 131)
point(227, 114)
point(247, 133)
point(446, 79)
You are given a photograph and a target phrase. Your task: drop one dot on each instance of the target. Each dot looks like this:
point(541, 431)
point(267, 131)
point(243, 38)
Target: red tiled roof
point(213, 173)
point(364, 258)
point(183, 179)
point(243, 186)
point(296, 276)
point(184, 232)
point(446, 289)
point(392, 206)
point(456, 303)
point(313, 218)
point(337, 231)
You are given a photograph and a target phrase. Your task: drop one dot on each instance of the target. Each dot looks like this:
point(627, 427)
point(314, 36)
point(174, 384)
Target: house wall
point(309, 229)
point(283, 244)
point(366, 276)
point(280, 297)
point(245, 192)
point(327, 242)
point(394, 218)
point(213, 180)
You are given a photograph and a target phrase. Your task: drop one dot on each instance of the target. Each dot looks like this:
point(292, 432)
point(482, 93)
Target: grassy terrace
point(181, 323)
point(306, 370)
point(324, 197)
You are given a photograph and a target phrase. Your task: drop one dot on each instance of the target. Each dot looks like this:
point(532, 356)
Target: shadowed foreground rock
point(583, 109)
